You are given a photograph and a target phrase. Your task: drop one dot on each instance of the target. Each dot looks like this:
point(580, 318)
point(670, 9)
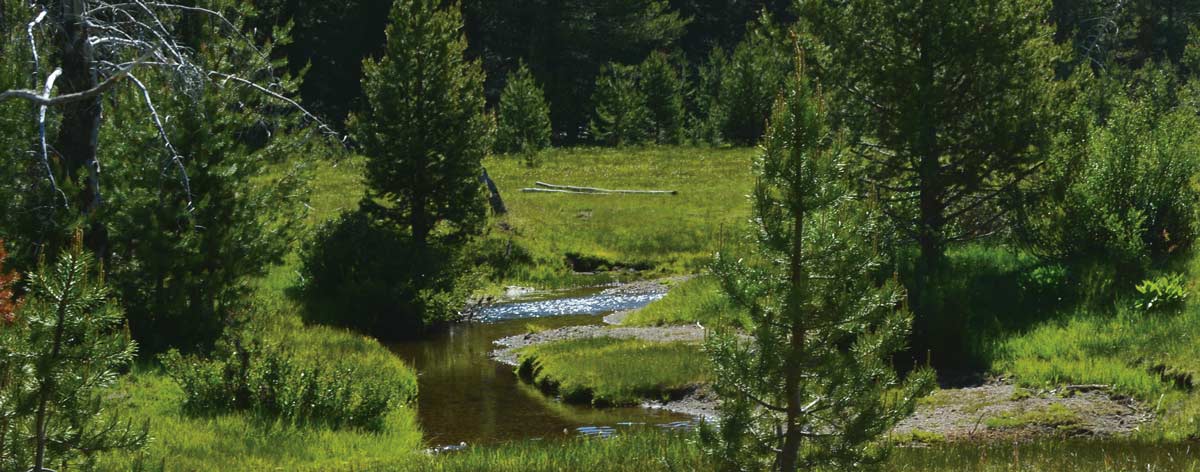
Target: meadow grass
point(608, 371)
point(182, 442)
point(1153, 357)
point(699, 299)
point(663, 235)
point(638, 451)
point(1112, 455)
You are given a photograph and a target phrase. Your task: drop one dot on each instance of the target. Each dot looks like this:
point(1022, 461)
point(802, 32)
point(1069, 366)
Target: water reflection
point(467, 397)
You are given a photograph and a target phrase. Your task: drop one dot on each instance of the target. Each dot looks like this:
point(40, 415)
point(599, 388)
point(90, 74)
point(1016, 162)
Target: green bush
point(524, 116)
point(622, 116)
point(273, 380)
point(1164, 293)
point(1131, 200)
point(363, 273)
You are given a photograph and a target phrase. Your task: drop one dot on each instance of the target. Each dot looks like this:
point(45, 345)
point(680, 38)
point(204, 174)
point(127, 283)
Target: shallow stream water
point(466, 397)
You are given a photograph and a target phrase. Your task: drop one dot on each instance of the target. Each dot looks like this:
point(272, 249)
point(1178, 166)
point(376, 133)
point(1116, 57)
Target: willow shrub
point(275, 381)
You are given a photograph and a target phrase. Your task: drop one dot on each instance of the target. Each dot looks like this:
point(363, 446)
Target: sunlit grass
point(700, 299)
point(607, 371)
point(663, 234)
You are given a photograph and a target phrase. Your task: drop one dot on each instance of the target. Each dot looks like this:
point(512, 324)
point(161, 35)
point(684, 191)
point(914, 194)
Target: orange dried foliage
point(8, 301)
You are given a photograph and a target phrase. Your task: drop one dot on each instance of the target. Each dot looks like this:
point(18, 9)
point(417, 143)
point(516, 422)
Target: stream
point(466, 397)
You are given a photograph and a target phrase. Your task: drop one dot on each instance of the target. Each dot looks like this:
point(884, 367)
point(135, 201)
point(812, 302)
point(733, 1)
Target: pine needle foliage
point(65, 348)
point(622, 114)
point(813, 388)
point(662, 86)
point(423, 129)
point(524, 115)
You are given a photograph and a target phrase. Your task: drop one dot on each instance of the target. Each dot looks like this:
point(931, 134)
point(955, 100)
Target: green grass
point(242, 442)
point(700, 299)
point(641, 451)
point(1153, 357)
point(607, 371)
point(1047, 455)
point(1055, 415)
point(664, 235)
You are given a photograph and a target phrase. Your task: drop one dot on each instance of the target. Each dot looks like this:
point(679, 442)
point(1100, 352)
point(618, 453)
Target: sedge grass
point(607, 371)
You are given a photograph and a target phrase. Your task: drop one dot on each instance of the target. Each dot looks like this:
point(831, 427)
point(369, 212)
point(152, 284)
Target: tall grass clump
point(294, 379)
point(608, 371)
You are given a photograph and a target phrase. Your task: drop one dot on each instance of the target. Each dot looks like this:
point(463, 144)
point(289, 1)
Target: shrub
point(524, 118)
point(8, 300)
point(661, 86)
point(1131, 201)
point(1164, 293)
point(268, 378)
point(622, 117)
point(363, 273)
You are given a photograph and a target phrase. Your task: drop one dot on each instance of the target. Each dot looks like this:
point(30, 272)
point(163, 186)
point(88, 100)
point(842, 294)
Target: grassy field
point(699, 299)
point(607, 371)
point(664, 235)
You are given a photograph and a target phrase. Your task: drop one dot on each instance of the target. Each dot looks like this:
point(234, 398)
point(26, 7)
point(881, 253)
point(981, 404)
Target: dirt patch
point(1000, 410)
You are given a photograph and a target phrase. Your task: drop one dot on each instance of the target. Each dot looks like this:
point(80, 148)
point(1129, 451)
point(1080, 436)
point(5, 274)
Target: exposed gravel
point(508, 347)
point(963, 413)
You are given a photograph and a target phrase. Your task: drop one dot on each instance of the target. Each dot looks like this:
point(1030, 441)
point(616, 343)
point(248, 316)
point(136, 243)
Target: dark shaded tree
point(813, 389)
point(622, 117)
point(662, 86)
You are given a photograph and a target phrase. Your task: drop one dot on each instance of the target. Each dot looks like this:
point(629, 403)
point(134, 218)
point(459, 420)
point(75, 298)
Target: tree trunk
point(46, 380)
point(79, 133)
point(494, 199)
point(789, 454)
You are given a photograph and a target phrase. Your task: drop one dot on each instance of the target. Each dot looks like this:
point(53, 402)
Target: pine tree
point(662, 87)
point(622, 117)
point(814, 388)
point(951, 113)
point(64, 350)
point(186, 256)
point(8, 300)
point(423, 128)
point(751, 79)
point(524, 118)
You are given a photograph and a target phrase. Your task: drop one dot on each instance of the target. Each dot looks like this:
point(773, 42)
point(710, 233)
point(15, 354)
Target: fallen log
point(550, 190)
point(575, 189)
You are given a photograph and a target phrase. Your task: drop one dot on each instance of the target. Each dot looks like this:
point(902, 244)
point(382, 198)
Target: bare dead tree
point(96, 45)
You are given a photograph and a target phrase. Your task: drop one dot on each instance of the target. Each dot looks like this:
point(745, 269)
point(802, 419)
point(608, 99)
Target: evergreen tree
point(184, 257)
point(750, 81)
point(423, 128)
point(58, 357)
point(663, 89)
point(622, 116)
point(524, 118)
point(814, 388)
point(950, 114)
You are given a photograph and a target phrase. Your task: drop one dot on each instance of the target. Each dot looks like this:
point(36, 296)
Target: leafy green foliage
point(622, 115)
point(64, 348)
point(524, 115)
point(662, 87)
point(813, 388)
point(566, 43)
point(1132, 200)
point(250, 374)
point(1163, 293)
point(399, 296)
